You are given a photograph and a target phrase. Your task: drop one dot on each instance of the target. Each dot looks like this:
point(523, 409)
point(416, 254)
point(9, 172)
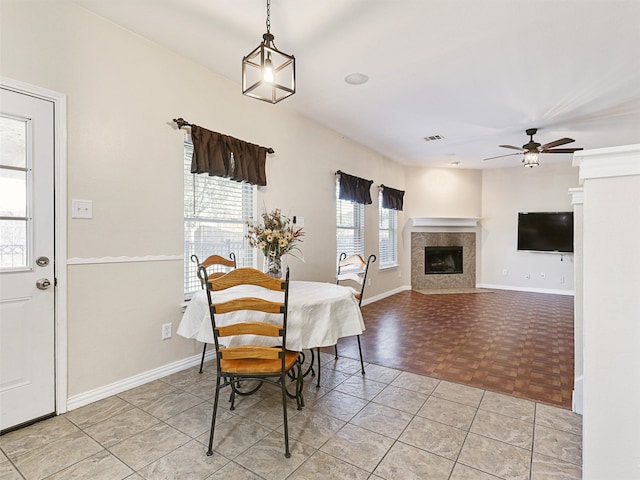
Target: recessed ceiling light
point(356, 78)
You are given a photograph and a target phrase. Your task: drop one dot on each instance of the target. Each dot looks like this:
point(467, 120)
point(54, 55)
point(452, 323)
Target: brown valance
point(392, 198)
point(224, 156)
point(355, 189)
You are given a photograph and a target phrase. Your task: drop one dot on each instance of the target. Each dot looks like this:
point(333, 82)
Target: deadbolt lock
point(42, 261)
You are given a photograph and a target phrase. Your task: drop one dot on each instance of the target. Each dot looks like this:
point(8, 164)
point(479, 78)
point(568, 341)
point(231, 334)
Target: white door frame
point(60, 228)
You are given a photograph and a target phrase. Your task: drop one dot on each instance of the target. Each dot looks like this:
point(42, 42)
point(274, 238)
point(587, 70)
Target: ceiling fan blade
point(511, 146)
point(562, 150)
point(557, 143)
point(500, 156)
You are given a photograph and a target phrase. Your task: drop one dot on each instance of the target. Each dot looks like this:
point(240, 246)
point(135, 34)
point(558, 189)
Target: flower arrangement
point(275, 237)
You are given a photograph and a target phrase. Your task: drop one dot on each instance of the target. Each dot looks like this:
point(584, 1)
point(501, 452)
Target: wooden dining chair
point(352, 271)
point(252, 361)
point(214, 266)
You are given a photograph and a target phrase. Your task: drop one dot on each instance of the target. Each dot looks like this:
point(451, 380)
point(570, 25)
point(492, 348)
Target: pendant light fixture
point(267, 73)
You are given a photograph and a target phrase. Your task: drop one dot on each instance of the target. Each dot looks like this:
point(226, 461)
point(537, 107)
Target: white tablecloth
point(319, 314)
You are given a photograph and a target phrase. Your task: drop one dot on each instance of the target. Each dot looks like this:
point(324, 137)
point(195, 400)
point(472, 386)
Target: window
point(15, 192)
point(349, 225)
point(388, 235)
point(215, 213)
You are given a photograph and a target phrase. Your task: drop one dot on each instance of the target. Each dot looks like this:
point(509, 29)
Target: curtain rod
point(340, 172)
point(181, 122)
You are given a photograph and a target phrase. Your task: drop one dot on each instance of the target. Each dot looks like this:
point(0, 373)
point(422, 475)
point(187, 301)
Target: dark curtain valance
point(355, 189)
point(224, 156)
point(392, 198)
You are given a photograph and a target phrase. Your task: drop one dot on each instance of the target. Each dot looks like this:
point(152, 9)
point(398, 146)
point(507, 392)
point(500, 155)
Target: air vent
point(431, 138)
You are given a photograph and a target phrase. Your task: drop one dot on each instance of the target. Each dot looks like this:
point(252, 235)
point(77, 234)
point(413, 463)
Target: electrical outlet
point(368, 282)
point(562, 279)
point(505, 272)
point(166, 331)
point(399, 274)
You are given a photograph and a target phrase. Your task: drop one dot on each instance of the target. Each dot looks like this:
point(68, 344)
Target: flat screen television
point(545, 231)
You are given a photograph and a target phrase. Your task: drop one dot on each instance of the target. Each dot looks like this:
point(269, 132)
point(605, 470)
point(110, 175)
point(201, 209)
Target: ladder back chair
point(214, 266)
point(264, 360)
point(353, 269)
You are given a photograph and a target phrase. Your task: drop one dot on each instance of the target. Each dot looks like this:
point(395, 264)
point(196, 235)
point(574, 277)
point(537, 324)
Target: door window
point(15, 189)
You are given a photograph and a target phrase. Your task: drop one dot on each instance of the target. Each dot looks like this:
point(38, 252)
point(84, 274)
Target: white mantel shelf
point(445, 221)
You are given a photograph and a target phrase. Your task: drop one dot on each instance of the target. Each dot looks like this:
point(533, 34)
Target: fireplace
point(442, 260)
point(464, 277)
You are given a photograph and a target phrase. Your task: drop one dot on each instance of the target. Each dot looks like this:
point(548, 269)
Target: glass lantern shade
point(268, 84)
point(530, 159)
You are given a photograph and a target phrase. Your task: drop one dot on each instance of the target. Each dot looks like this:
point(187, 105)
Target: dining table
point(318, 314)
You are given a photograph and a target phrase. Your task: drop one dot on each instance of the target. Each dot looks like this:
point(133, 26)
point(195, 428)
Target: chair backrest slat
point(249, 303)
point(213, 261)
point(249, 328)
point(253, 351)
point(218, 260)
point(247, 276)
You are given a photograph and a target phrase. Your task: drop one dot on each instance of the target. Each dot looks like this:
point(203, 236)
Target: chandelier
point(267, 73)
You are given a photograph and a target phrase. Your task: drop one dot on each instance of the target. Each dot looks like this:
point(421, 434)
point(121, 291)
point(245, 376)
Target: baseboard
point(82, 399)
point(386, 294)
point(577, 405)
point(527, 289)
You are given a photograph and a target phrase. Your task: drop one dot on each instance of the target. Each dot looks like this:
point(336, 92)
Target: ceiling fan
point(533, 149)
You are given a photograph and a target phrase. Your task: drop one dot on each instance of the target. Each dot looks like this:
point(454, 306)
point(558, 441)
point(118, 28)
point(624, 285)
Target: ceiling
point(477, 73)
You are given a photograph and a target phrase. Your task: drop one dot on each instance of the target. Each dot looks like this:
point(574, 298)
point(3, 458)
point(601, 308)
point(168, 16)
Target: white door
point(27, 379)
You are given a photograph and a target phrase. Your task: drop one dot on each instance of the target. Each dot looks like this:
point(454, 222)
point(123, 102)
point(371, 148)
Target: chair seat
point(259, 366)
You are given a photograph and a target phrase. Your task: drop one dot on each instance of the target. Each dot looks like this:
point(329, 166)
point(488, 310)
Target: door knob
point(43, 283)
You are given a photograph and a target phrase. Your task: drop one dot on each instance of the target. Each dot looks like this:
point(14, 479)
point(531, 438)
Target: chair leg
point(299, 385)
point(213, 417)
point(287, 453)
point(318, 384)
point(360, 350)
point(232, 396)
point(204, 350)
point(336, 348)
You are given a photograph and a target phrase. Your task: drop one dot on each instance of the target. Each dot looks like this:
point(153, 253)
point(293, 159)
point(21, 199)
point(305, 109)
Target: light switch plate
point(81, 209)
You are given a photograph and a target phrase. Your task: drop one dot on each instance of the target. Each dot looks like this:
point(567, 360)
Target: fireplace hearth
point(442, 260)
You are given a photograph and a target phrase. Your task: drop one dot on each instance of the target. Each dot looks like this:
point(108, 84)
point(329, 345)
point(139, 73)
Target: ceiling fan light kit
point(530, 159)
point(533, 149)
point(267, 73)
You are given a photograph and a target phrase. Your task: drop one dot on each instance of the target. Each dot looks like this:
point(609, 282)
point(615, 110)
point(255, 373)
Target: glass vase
point(273, 266)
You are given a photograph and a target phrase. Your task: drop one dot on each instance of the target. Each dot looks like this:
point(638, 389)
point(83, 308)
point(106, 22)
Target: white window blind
point(215, 213)
point(349, 225)
point(387, 235)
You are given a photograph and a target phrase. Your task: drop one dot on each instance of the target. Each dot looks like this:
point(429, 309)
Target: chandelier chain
point(268, 16)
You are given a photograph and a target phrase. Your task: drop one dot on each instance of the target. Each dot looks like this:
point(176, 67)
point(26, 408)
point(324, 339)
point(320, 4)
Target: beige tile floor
point(386, 425)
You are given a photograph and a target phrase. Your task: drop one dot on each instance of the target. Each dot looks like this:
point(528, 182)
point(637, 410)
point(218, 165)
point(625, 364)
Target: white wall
point(441, 192)
point(505, 192)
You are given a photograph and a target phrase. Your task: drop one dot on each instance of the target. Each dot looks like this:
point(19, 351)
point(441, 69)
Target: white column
point(577, 200)
point(611, 311)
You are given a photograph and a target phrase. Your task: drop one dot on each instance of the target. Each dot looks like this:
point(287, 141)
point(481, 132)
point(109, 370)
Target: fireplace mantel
point(445, 221)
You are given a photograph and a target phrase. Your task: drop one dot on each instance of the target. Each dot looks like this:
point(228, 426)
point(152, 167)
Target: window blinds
point(215, 213)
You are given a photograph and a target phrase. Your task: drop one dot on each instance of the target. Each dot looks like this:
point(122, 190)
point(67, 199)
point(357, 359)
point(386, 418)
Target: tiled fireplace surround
point(467, 279)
